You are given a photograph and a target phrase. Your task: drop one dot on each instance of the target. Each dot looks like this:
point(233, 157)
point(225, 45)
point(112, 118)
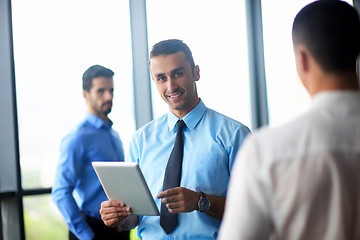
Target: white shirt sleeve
point(246, 209)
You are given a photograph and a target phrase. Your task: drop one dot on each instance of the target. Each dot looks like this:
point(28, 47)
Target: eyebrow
point(159, 75)
point(172, 72)
point(104, 88)
point(177, 69)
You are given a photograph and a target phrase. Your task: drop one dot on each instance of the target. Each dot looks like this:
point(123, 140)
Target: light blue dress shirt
point(211, 141)
point(76, 188)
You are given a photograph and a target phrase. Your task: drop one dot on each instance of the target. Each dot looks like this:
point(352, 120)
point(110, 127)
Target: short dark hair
point(330, 29)
point(94, 72)
point(172, 46)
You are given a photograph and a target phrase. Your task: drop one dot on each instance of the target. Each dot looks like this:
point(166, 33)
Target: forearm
point(72, 215)
point(217, 205)
point(129, 222)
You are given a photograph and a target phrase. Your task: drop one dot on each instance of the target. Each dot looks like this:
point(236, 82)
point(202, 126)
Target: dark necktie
point(168, 221)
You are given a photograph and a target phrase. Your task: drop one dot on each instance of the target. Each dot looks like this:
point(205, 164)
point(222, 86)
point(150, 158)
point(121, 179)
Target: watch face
point(204, 204)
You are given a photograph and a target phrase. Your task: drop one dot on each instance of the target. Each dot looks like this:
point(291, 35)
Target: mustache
point(108, 102)
point(177, 90)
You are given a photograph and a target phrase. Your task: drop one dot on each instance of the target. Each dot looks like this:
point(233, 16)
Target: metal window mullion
point(141, 79)
point(1, 223)
point(36, 191)
point(259, 106)
point(12, 208)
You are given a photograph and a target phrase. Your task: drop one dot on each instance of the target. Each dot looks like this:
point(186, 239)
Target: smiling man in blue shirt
point(77, 191)
point(211, 141)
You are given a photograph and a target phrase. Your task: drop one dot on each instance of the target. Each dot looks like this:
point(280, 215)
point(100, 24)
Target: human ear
point(302, 59)
point(197, 73)
point(302, 65)
point(85, 94)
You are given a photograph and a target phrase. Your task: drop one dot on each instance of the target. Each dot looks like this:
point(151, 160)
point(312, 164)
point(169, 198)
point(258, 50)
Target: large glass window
point(40, 221)
point(287, 97)
point(54, 43)
point(216, 33)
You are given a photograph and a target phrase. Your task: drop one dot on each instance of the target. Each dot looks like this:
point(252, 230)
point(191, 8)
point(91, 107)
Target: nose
point(108, 95)
point(172, 86)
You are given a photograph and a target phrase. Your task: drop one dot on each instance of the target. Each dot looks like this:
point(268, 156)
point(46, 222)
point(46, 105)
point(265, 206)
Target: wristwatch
point(203, 203)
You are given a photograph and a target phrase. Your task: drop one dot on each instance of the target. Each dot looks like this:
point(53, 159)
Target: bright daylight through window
point(54, 43)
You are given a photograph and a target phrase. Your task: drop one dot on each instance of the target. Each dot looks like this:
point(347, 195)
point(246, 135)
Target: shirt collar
point(336, 98)
point(191, 119)
point(97, 122)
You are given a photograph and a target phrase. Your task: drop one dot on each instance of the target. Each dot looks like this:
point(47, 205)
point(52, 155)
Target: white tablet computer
point(124, 182)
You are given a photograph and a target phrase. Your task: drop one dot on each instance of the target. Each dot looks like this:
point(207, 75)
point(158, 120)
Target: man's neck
point(102, 116)
point(334, 82)
point(183, 113)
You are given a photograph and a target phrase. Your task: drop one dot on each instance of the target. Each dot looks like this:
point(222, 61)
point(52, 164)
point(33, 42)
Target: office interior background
point(243, 48)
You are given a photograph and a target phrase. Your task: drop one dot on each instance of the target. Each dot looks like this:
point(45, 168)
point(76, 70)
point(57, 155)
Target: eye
point(101, 91)
point(161, 78)
point(178, 74)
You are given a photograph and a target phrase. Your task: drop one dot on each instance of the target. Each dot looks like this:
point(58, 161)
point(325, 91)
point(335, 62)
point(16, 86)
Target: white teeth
point(173, 96)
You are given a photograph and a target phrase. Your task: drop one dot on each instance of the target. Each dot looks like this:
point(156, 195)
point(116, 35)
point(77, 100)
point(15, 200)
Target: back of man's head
point(330, 29)
point(94, 72)
point(172, 46)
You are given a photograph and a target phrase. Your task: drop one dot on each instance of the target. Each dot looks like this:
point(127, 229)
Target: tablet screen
point(124, 182)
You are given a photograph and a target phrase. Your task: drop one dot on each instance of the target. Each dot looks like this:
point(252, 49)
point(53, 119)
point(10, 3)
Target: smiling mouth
point(175, 95)
point(107, 105)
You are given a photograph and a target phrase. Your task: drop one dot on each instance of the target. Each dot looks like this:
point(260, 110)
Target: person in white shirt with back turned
point(302, 180)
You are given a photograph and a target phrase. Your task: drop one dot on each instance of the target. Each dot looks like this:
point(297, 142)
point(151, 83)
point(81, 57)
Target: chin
point(177, 107)
point(106, 112)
